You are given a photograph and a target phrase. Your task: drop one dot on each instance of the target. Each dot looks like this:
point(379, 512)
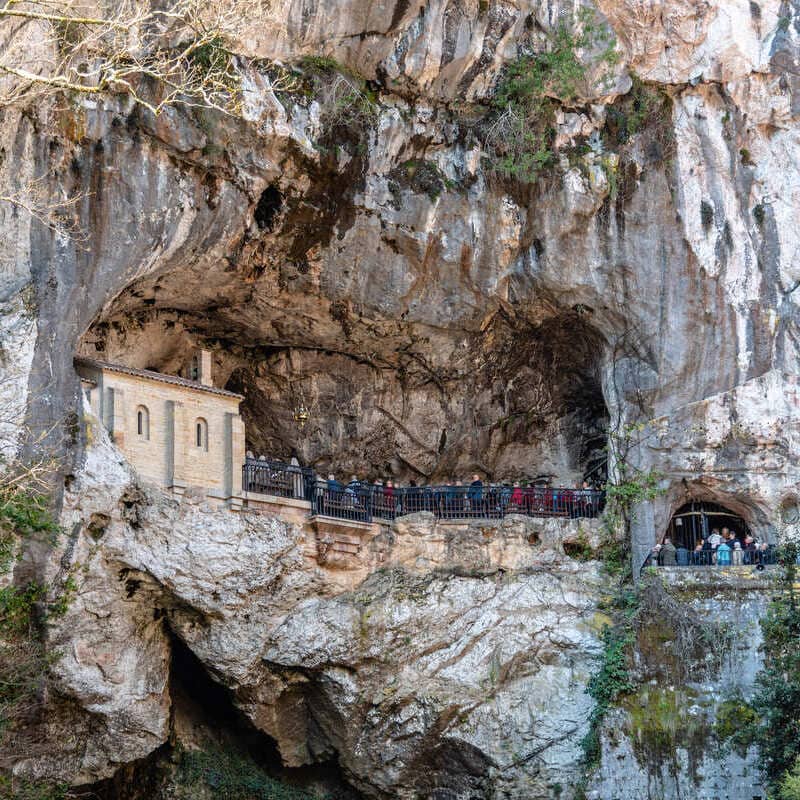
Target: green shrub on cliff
point(520, 139)
point(777, 699)
point(789, 786)
point(222, 773)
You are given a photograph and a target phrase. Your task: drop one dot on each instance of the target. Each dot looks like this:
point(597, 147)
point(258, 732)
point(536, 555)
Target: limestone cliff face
point(437, 318)
point(435, 662)
point(458, 663)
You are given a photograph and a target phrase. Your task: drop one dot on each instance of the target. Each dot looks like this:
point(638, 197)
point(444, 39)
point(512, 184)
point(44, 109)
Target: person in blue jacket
point(723, 555)
point(475, 494)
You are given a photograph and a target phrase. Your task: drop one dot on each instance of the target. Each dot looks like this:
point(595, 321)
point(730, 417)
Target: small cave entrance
point(267, 209)
point(695, 521)
point(216, 750)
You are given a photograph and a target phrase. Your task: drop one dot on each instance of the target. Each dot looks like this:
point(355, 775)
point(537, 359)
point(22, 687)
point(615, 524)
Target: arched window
point(201, 434)
point(142, 422)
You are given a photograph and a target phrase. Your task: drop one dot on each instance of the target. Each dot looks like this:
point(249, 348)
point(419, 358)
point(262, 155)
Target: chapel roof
point(175, 380)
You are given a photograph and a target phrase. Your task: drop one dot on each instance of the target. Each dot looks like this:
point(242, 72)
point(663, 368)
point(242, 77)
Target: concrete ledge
point(271, 499)
point(719, 578)
point(321, 521)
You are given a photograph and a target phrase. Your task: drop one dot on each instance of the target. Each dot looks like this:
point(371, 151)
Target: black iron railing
point(365, 502)
point(278, 479)
point(760, 556)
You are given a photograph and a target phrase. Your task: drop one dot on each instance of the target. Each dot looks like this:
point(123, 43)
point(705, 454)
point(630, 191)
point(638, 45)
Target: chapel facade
point(178, 432)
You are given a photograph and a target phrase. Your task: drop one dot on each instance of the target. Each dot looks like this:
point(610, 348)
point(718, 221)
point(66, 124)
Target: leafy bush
point(232, 776)
point(641, 486)
point(789, 785)
point(558, 71)
point(777, 700)
point(520, 139)
point(22, 515)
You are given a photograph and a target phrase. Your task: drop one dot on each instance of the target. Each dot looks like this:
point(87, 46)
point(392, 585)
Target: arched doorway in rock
point(695, 520)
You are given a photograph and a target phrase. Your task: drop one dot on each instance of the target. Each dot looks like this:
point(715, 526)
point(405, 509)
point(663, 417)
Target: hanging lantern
point(301, 415)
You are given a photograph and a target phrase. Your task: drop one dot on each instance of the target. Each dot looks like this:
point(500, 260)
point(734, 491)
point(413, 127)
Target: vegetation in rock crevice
point(24, 612)
point(520, 138)
point(221, 772)
point(348, 105)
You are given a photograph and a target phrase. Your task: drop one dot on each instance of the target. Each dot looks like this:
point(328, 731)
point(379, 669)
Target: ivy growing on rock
point(777, 699)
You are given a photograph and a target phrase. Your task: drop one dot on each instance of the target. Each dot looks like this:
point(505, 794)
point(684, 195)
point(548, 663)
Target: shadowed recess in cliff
point(524, 401)
point(215, 752)
point(520, 398)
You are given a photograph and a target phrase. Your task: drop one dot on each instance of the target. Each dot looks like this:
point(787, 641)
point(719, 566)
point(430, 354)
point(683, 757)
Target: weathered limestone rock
point(662, 742)
point(437, 319)
point(478, 651)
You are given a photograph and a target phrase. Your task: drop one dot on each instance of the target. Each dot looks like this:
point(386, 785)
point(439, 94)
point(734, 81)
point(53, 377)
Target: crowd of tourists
point(723, 547)
point(454, 498)
point(475, 496)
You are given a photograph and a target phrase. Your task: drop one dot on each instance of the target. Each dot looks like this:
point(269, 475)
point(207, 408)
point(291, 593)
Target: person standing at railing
point(723, 555)
point(334, 491)
point(517, 498)
point(585, 500)
point(475, 494)
point(653, 557)
point(298, 490)
point(505, 497)
point(388, 496)
point(376, 497)
point(352, 491)
point(668, 554)
point(558, 500)
point(749, 549)
point(708, 552)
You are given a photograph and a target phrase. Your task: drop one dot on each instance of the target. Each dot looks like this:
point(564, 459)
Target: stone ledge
point(321, 521)
point(271, 499)
point(743, 577)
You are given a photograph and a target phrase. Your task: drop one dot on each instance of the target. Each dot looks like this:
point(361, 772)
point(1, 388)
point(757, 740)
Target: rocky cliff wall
point(438, 316)
point(437, 663)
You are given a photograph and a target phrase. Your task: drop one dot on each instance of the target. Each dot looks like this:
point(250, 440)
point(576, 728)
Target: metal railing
point(764, 557)
point(278, 479)
point(364, 502)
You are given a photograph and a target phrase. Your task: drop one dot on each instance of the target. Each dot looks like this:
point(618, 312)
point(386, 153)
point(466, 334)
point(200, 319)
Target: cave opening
point(213, 747)
point(520, 400)
point(267, 209)
point(693, 523)
point(535, 411)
